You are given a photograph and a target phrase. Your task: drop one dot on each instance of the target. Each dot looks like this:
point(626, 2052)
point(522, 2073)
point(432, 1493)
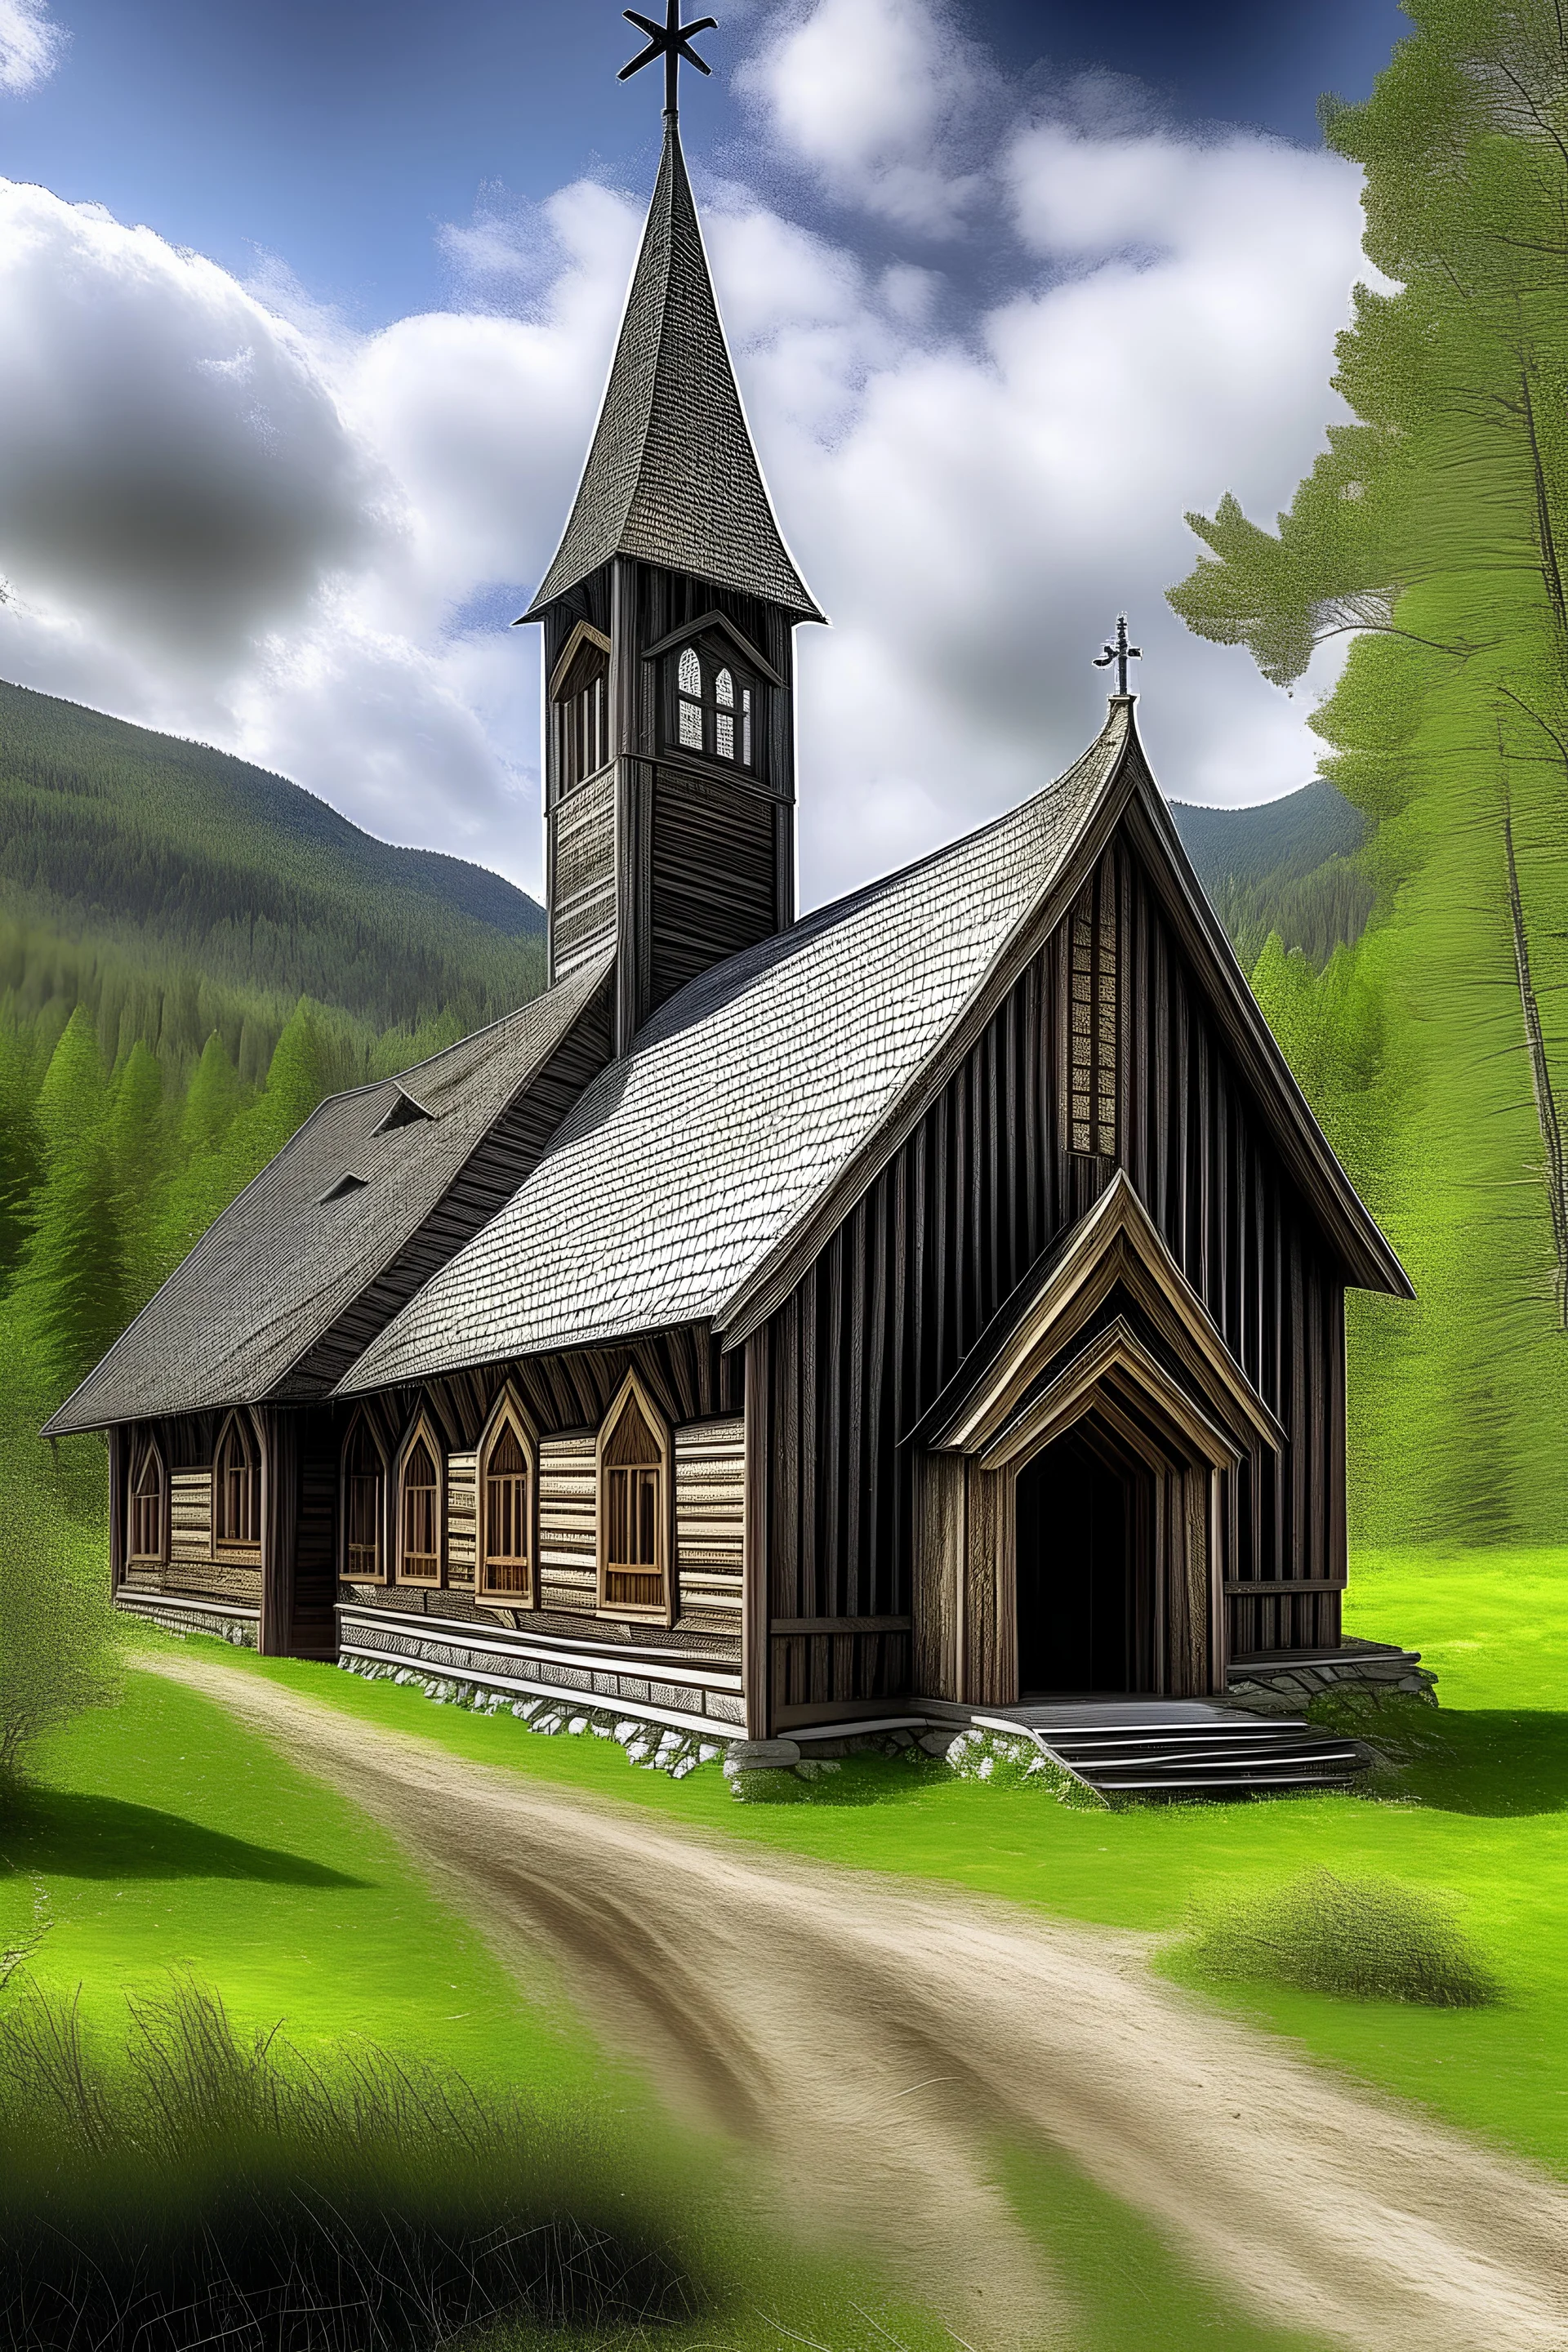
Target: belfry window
point(633, 1507)
point(505, 1499)
point(236, 1488)
point(712, 709)
point(146, 1531)
point(364, 1506)
point(419, 1509)
point(1093, 1013)
point(581, 709)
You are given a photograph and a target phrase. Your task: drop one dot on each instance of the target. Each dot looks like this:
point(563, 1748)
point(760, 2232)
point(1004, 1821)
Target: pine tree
point(21, 1149)
point(1433, 530)
point(212, 1099)
point(72, 1288)
point(296, 1082)
point(137, 1155)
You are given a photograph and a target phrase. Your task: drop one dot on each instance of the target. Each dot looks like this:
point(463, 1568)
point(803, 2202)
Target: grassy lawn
point(1487, 1820)
point(165, 1835)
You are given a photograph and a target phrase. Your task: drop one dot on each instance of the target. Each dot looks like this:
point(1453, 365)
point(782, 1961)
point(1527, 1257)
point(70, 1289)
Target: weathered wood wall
point(860, 1350)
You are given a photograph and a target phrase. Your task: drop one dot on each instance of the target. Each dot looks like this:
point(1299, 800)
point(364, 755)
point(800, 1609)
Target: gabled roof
point(321, 1222)
point(672, 476)
point(700, 1174)
point(1115, 1246)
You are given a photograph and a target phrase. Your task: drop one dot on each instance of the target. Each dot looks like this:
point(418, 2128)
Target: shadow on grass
point(1491, 1763)
point(103, 1837)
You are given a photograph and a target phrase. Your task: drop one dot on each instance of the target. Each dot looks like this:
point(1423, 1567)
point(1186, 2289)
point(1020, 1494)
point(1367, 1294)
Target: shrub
point(210, 2187)
point(59, 1638)
point(1373, 1937)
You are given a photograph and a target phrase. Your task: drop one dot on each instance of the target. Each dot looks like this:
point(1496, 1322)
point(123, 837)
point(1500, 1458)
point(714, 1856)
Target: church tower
point(669, 614)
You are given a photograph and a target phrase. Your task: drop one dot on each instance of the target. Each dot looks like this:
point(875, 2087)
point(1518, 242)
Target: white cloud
point(881, 97)
point(30, 46)
point(225, 513)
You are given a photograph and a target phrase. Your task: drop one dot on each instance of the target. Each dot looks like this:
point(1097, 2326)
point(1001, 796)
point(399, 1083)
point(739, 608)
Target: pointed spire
point(672, 476)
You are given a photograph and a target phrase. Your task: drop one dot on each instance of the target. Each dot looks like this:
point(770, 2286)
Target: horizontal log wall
point(709, 1522)
point(986, 1182)
point(462, 1508)
point(568, 1557)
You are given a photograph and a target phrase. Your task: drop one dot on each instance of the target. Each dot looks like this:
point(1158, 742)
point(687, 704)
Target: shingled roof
point(321, 1222)
point(690, 1161)
point(672, 476)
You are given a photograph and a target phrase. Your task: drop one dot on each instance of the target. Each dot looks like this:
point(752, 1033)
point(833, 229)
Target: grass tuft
point(205, 2185)
point(1373, 1938)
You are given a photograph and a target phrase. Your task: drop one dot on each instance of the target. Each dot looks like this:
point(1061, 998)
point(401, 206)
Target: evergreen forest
point(192, 954)
point(1433, 533)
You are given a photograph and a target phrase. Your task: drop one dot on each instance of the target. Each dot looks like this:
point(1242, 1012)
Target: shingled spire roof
point(672, 476)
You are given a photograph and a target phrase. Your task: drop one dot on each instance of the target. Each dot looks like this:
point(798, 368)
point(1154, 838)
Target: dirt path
point(874, 2039)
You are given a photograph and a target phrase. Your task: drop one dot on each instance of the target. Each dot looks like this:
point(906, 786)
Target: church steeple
point(669, 612)
point(672, 476)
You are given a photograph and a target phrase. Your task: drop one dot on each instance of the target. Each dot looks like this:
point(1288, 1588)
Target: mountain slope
point(1286, 867)
point(136, 866)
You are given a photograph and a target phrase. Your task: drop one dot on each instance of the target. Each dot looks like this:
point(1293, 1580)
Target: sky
point(305, 313)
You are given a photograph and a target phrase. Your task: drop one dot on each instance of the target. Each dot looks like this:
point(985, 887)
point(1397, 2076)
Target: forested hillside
point(175, 891)
point(1288, 866)
point(1434, 531)
point(192, 954)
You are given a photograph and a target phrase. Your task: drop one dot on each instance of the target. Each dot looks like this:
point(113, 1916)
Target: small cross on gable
point(672, 42)
point(1121, 653)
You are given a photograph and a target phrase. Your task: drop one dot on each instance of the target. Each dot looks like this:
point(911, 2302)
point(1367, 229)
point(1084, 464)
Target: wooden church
point(783, 1323)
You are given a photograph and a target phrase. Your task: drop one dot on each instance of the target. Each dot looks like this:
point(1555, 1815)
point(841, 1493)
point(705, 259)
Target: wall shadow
point(104, 1837)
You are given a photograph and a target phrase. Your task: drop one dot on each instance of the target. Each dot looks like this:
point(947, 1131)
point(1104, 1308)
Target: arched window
point(713, 710)
point(506, 1508)
point(633, 1507)
point(688, 682)
point(236, 1488)
point(419, 1509)
point(364, 1506)
point(147, 1516)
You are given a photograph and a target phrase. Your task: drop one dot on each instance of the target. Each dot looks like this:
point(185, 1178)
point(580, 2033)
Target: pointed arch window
point(633, 1507)
point(149, 1513)
point(236, 1488)
point(419, 1513)
point(712, 707)
point(506, 1483)
point(364, 1506)
point(580, 706)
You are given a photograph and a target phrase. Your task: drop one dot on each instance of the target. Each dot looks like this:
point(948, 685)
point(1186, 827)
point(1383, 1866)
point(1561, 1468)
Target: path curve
point(874, 2039)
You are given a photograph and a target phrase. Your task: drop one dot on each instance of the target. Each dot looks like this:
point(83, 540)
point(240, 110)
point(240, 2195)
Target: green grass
point(1485, 1820)
point(163, 1835)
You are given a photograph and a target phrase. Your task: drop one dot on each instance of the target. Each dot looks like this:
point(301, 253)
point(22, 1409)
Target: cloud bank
point(224, 512)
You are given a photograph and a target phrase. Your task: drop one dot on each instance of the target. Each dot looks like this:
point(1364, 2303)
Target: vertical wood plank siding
point(883, 1317)
point(712, 878)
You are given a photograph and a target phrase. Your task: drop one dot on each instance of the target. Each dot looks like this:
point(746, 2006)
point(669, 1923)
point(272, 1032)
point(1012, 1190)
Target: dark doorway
point(1075, 1573)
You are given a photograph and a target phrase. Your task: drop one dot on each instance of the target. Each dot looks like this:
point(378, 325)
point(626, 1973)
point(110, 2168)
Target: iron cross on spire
point(671, 41)
point(1121, 653)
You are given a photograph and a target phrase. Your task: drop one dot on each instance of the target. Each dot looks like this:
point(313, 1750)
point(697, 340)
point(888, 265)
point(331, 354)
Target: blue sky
point(329, 405)
point(337, 136)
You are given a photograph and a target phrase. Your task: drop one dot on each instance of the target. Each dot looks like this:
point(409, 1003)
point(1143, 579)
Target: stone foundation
point(1288, 1684)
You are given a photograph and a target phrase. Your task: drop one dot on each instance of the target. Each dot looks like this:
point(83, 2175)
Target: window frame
point(584, 664)
point(1093, 1056)
point(149, 1451)
point(361, 1424)
point(715, 659)
point(243, 1548)
point(422, 1431)
point(660, 1611)
point(507, 1413)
